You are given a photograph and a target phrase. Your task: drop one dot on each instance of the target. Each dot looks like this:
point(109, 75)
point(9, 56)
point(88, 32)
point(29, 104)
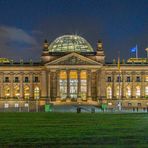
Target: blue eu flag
point(134, 49)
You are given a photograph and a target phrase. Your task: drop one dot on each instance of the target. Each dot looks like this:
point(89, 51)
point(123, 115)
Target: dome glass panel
point(70, 43)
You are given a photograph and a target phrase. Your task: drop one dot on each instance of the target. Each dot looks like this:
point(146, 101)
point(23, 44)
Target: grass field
point(73, 130)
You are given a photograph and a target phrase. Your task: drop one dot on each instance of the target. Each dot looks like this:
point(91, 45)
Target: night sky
point(25, 24)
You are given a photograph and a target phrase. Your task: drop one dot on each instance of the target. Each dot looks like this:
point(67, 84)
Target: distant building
point(72, 71)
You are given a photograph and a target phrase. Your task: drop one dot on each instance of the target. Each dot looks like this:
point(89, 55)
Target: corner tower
point(100, 57)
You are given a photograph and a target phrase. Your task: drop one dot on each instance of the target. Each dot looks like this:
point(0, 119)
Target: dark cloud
point(15, 42)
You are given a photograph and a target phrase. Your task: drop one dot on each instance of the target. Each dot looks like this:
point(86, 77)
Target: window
point(26, 92)
point(119, 79)
point(7, 91)
point(128, 79)
point(129, 104)
point(63, 84)
point(16, 91)
point(109, 79)
point(73, 84)
point(146, 91)
point(139, 104)
point(6, 79)
point(118, 91)
point(36, 93)
point(138, 79)
point(26, 79)
point(128, 92)
point(138, 92)
point(109, 92)
point(146, 78)
point(36, 79)
point(16, 79)
point(83, 79)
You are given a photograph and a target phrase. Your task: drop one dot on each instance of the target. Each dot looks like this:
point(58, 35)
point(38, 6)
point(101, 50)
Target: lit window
point(128, 92)
point(73, 84)
point(83, 79)
point(26, 92)
point(36, 93)
point(70, 43)
point(109, 92)
point(146, 78)
point(118, 91)
point(7, 91)
point(63, 84)
point(146, 91)
point(138, 92)
point(16, 91)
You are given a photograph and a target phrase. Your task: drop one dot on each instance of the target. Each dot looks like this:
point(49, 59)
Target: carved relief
point(74, 61)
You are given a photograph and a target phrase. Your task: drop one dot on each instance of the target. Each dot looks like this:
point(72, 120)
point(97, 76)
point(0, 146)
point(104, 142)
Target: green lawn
point(74, 130)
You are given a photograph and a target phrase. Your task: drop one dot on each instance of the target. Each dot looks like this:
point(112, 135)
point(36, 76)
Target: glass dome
point(70, 43)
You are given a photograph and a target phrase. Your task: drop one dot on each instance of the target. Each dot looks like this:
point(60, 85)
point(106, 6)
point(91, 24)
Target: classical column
point(89, 85)
point(79, 85)
point(11, 86)
point(113, 85)
point(49, 98)
point(31, 86)
point(58, 85)
point(44, 85)
point(123, 85)
point(132, 89)
point(142, 85)
point(21, 86)
point(98, 85)
point(68, 84)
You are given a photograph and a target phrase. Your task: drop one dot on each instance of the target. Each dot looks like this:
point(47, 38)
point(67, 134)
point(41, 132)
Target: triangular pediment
point(73, 59)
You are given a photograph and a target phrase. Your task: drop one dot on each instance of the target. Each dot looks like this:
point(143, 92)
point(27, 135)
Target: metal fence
point(20, 106)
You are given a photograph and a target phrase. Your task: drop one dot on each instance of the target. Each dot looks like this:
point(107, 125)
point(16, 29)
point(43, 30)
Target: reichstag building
point(71, 71)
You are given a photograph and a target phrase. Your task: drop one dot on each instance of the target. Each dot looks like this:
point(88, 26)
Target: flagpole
point(119, 104)
point(136, 51)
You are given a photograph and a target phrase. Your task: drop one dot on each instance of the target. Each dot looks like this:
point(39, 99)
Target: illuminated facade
point(72, 71)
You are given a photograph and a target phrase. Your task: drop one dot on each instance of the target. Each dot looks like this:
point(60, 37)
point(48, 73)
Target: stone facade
point(104, 82)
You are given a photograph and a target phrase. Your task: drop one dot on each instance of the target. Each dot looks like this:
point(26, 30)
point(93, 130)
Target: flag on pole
point(134, 50)
point(119, 63)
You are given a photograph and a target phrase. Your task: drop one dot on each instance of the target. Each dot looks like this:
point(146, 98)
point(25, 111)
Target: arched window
point(26, 92)
point(118, 91)
point(36, 93)
point(128, 92)
point(146, 91)
point(7, 91)
point(109, 92)
point(138, 93)
point(16, 92)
